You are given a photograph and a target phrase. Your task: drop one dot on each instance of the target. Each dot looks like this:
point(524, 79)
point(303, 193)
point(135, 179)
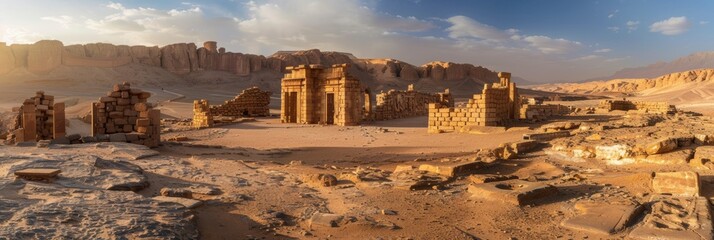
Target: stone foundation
point(126, 116)
point(540, 112)
point(647, 107)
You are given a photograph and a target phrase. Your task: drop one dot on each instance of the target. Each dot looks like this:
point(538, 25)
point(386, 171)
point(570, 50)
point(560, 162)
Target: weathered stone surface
point(37, 173)
point(661, 146)
point(326, 219)
point(180, 58)
point(320, 180)
point(676, 183)
point(487, 178)
point(451, 169)
point(44, 56)
point(676, 218)
point(603, 218)
point(516, 192)
point(185, 202)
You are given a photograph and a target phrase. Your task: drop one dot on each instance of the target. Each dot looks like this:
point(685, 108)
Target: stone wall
point(496, 104)
point(126, 116)
point(202, 117)
point(401, 104)
point(251, 102)
point(39, 118)
point(539, 112)
point(625, 105)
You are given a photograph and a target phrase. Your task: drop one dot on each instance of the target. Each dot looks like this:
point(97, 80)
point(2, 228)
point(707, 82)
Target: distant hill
point(693, 61)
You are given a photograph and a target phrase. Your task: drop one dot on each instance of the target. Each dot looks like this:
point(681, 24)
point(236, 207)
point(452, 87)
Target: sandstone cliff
point(642, 86)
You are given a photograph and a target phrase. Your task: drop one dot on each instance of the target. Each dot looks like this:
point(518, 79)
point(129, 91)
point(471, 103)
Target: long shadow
point(566, 193)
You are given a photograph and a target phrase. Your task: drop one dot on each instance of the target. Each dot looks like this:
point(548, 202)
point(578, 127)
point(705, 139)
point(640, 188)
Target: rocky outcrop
point(449, 71)
point(44, 56)
point(7, 59)
point(179, 58)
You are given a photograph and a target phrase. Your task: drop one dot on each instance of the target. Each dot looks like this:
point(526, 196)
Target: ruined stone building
point(251, 102)
point(498, 102)
point(400, 104)
point(126, 116)
point(39, 118)
point(313, 94)
point(625, 105)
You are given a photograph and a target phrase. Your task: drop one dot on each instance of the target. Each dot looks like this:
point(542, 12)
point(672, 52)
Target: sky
point(541, 41)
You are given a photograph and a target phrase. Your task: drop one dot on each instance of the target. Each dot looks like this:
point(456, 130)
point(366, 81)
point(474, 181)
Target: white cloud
point(614, 29)
point(611, 15)
point(63, 20)
point(603, 50)
point(462, 26)
point(632, 25)
point(549, 45)
point(703, 22)
point(588, 57)
point(671, 26)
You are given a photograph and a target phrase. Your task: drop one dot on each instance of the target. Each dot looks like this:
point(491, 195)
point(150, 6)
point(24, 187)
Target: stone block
point(117, 137)
point(188, 203)
point(517, 192)
point(661, 146)
point(325, 219)
point(451, 169)
point(487, 178)
point(676, 218)
point(37, 173)
point(676, 183)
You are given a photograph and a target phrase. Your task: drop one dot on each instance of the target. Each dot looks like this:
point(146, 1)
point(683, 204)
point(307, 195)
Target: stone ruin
point(125, 115)
point(401, 104)
point(313, 94)
point(39, 118)
point(202, 117)
point(498, 103)
point(645, 107)
point(251, 102)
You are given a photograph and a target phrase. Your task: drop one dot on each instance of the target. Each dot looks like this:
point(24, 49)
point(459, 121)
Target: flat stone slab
point(603, 218)
point(326, 219)
point(188, 203)
point(676, 183)
point(38, 173)
point(676, 218)
point(515, 191)
point(487, 178)
point(546, 136)
point(451, 169)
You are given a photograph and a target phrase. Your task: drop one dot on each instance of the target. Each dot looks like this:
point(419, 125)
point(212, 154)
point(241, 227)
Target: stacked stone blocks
point(39, 118)
point(126, 116)
point(625, 105)
point(202, 116)
point(251, 102)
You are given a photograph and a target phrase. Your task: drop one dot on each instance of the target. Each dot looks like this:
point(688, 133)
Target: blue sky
point(544, 41)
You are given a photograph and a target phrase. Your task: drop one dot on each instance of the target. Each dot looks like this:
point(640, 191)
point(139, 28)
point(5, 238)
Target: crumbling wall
point(202, 117)
point(539, 112)
point(39, 118)
point(251, 102)
point(126, 116)
point(401, 104)
point(625, 105)
point(496, 104)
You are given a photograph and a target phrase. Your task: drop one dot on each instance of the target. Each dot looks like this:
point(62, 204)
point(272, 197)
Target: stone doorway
point(330, 111)
point(291, 105)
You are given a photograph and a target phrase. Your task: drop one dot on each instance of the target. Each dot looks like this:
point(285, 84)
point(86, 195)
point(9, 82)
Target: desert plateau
point(353, 119)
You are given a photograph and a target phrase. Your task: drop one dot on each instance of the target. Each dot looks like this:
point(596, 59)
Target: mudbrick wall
point(251, 102)
point(625, 105)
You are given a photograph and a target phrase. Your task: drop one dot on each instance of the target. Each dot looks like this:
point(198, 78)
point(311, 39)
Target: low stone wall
point(401, 104)
point(126, 116)
point(625, 105)
point(39, 118)
point(251, 102)
point(490, 108)
point(531, 111)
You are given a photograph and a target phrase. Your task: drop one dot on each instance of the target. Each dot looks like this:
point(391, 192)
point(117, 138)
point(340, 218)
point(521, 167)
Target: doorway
point(330, 111)
point(291, 104)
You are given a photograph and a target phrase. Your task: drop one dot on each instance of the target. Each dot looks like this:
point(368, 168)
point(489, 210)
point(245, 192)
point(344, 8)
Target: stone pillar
point(58, 121)
point(29, 122)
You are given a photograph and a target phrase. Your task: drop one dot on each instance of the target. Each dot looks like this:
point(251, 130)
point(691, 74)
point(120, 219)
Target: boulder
point(44, 56)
